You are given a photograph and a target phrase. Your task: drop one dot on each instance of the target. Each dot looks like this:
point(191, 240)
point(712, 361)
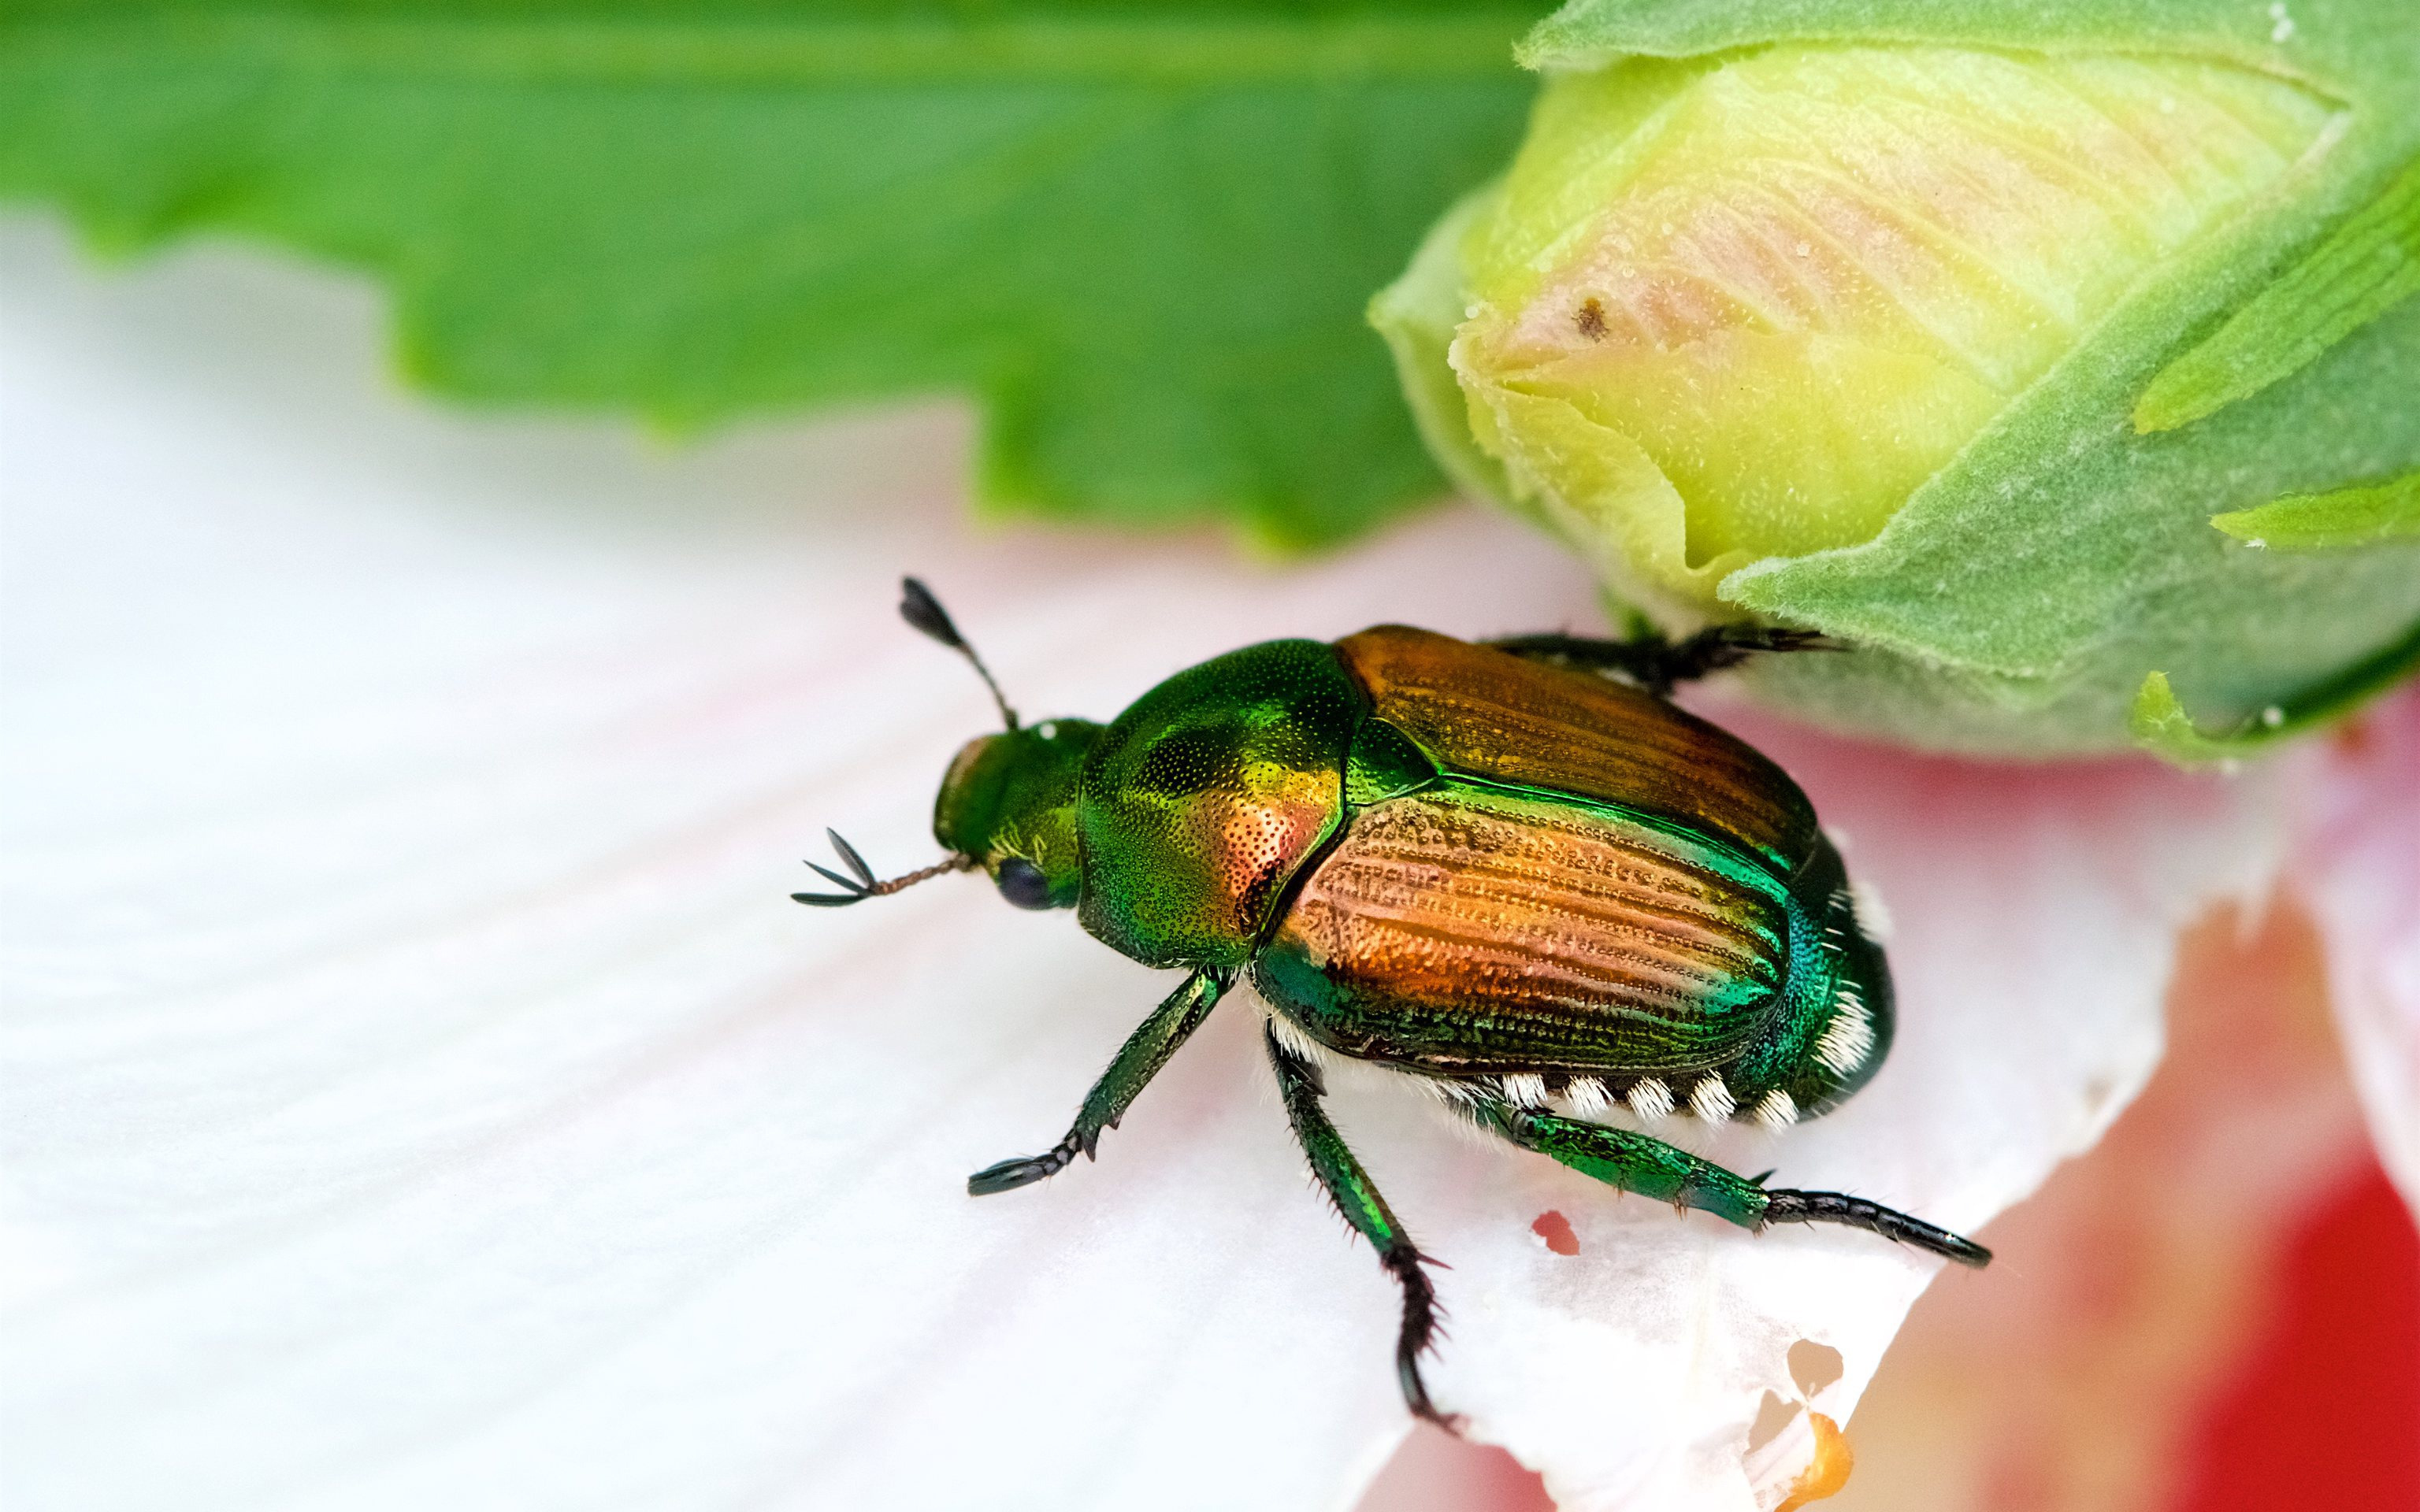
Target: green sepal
point(2317, 521)
point(2014, 602)
point(2367, 267)
point(2160, 724)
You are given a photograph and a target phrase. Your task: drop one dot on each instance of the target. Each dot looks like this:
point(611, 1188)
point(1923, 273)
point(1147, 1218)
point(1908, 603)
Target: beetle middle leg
point(1642, 1164)
point(1655, 662)
point(1137, 1062)
point(1349, 1187)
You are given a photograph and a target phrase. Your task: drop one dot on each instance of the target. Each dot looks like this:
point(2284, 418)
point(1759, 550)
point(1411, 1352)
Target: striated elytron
point(1515, 870)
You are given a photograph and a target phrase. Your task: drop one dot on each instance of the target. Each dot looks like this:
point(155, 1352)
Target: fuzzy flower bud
point(1951, 345)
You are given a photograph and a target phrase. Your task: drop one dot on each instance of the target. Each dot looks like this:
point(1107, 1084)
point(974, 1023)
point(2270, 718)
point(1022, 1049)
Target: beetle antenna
point(919, 608)
point(859, 886)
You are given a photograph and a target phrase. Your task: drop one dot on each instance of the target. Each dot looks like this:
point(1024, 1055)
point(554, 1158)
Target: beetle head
point(1008, 804)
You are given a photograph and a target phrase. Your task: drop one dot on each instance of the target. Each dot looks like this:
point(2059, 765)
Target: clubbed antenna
point(919, 608)
point(858, 888)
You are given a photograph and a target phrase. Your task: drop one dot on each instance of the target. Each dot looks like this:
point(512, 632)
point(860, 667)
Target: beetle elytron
point(1494, 866)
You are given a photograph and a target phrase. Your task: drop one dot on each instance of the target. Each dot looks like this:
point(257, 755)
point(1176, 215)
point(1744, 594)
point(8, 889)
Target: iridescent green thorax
point(1203, 800)
point(1013, 796)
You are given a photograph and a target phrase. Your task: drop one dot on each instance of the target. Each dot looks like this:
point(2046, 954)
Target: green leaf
point(2367, 267)
point(2348, 516)
point(1141, 234)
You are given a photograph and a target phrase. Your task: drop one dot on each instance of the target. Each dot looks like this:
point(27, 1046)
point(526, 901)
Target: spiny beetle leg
point(1357, 1197)
point(1788, 1206)
point(1638, 1163)
point(1633, 1162)
point(1137, 1062)
point(1657, 662)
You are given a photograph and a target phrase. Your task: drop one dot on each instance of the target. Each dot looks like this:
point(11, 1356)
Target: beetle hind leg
point(1356, 1199)
point(1655, 662)
point(1785, 1206)
point(1642, 1164)
point(1620, 1158)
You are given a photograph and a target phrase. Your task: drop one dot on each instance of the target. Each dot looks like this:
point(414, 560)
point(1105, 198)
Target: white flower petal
point(2357, 863)
point(421, 1092)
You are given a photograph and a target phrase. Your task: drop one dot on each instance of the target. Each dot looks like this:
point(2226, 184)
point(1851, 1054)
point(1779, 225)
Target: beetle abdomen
point(1468, 928)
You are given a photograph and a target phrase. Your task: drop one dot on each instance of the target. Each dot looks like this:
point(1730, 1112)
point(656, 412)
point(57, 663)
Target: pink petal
point(2142, 1277)
point(2357, 863)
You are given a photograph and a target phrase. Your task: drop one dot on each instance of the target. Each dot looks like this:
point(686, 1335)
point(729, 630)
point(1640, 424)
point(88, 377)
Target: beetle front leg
point(1138, 1061)
point(1638, 1163)
point(1349, 1187)
point(1655, 662)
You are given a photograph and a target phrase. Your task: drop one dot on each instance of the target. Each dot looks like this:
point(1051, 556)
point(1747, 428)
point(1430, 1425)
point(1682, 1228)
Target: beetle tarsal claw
point(1453, 1423)
point(1009, 1175)
point(1027, 1169)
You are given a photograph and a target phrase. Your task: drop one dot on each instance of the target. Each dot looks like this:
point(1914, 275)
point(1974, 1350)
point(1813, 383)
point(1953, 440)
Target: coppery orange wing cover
point(1580, 942)
point(1491, 714)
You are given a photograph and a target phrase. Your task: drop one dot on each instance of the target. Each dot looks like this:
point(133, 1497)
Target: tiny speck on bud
point(2272, 717)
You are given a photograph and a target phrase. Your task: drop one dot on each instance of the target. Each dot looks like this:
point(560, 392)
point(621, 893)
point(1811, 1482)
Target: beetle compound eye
point(1023, 883)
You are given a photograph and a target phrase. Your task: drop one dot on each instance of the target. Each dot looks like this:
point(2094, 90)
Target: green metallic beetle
point(1515, 870)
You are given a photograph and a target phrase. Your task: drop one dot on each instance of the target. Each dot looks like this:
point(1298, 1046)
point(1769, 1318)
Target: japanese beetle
point(1511, 870)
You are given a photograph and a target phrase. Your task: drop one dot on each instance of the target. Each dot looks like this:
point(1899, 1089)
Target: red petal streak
point(2325, 1411)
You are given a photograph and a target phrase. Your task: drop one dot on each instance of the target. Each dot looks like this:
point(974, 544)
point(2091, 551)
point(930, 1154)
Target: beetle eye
point(1023, 883)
